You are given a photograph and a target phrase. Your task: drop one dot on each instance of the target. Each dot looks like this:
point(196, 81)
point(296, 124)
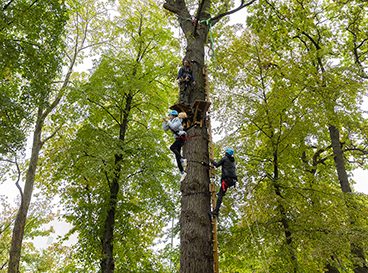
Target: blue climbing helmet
point(173, 113)
point(229, 151)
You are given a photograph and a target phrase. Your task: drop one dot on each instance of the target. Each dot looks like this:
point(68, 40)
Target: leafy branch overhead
point(187, 21)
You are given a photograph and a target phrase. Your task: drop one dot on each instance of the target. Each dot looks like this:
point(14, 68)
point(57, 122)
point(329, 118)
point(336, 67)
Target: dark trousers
point(184, 92)
point(225, 184)
point(176, 148)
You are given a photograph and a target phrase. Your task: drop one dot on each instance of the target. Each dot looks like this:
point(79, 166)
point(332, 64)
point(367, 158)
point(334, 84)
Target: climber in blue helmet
point(174, 124)
point(228, 176)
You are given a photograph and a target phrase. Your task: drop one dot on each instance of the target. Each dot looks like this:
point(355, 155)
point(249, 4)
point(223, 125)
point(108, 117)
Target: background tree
point(28, 70)
point(45, 95)
point(268, 60)
point(120, 175)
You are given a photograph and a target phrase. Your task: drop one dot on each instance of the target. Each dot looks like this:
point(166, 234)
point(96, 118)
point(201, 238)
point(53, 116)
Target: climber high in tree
point(195, 229)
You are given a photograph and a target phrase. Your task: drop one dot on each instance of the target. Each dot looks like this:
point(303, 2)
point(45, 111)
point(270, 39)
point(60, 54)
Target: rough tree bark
point(342, 175)
point(195, 226)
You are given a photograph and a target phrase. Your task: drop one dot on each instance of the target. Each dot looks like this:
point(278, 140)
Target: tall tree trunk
point(20, 221)
point(357, 251)
point(195, 226)
point(107, 262)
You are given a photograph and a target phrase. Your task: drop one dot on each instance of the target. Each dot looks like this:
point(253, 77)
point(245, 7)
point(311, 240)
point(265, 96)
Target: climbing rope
point(211, 51)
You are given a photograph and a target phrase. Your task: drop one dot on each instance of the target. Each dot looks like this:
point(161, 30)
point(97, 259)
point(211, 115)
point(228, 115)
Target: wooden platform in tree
point(200, 107)
point(181, 108)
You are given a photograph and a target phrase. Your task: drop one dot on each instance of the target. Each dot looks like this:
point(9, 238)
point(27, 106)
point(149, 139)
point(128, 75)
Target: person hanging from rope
point(174, 124)
point(185, 79)
point(228, 176)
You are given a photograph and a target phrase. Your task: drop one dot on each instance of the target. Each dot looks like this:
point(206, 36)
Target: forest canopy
point(85, 86)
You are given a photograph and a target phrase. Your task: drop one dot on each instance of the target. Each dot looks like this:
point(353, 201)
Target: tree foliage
point(117, 113)
point(30, 43)
point(279, 85)
point(290, 79)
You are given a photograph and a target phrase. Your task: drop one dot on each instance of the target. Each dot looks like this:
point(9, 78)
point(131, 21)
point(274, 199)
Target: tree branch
point(104, 108)
point(17, 182)
point(199, 11)
point(179, 8)
point(135, 173)
point(51, 136)
point(171, 6)
point(8, 4)
point(4, 264)
point(242, 5)
point(363, 151)
point(34, 2)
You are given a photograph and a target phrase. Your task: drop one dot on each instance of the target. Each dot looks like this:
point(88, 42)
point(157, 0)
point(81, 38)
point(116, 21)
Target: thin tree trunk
point(282, 210)
point(339, 159)
point(20, 221)
point(357, 251)
point(107, 262)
